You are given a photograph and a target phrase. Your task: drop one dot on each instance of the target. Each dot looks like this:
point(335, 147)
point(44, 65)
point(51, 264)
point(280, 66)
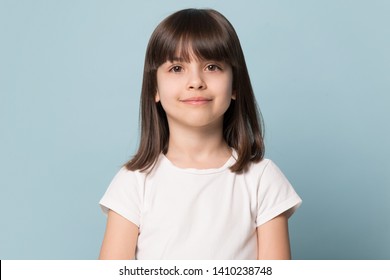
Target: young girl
point(198, 187)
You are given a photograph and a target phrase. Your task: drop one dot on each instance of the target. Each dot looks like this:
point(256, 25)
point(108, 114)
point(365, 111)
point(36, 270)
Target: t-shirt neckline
point(231, 160)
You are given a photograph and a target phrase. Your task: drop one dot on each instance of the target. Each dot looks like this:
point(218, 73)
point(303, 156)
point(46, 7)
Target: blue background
point(70, 79)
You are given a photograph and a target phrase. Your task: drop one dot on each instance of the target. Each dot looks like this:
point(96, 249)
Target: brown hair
point(208, 35)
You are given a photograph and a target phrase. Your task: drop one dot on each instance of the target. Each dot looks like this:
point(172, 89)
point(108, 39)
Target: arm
point(273, 239)
point(120, 238)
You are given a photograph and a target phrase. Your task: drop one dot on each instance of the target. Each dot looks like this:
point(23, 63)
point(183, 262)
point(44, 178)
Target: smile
point(196, 100)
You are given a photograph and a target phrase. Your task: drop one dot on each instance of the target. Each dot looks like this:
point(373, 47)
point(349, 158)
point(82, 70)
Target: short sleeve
point(123, 196)
point(275, 195)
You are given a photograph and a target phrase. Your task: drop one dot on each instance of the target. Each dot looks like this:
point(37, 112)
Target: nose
point(196, 81)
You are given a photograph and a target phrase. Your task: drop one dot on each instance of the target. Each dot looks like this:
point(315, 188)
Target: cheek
point(227, 87)
point(227, 83)
point(161, 90)
point(169, 91)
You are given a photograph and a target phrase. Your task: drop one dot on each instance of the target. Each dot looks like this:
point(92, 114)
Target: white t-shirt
point(200, 213)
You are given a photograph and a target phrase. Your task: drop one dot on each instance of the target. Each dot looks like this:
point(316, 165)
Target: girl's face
point(195, 93)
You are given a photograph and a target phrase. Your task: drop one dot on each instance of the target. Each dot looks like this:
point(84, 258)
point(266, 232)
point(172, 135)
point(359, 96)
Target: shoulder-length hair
point(208, 35)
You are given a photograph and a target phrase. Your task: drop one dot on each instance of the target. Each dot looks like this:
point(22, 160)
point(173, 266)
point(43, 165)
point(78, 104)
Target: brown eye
point(212, 67)
point(176, 69)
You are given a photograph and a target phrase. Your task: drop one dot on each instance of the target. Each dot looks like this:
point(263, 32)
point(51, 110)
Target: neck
point(197, 147)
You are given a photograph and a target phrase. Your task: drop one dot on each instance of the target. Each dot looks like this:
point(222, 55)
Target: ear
point(234, 94)
point(157, 97)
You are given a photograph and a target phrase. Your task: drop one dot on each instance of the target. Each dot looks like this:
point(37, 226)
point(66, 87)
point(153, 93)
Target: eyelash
point(214, 66)
point(178, 68)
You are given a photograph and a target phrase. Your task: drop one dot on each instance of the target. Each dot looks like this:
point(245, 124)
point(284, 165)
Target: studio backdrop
point(70, 80)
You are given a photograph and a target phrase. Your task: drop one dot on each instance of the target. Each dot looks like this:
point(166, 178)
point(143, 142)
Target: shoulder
point(125, 181)
point(267, 176)
point(275, 193)
point(125, 174)
point(264, 167)
point(124, 195)
point(258, 169)
point(137, 177)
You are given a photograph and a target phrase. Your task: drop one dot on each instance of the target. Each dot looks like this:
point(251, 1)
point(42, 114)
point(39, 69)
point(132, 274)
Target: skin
point(120, 238)
point(195, 96)
point(273, 239)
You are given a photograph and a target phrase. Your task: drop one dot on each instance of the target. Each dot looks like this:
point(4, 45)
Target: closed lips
point(196, 100)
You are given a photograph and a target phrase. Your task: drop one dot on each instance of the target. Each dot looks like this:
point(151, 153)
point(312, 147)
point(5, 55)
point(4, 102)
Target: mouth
point(196, 100)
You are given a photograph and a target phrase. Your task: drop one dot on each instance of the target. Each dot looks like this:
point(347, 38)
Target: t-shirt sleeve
point(123, 196)
point(275, 195)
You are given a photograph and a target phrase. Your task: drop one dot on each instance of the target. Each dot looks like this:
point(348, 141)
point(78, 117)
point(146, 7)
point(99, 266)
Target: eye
point(213, 67)
point(176, 69)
